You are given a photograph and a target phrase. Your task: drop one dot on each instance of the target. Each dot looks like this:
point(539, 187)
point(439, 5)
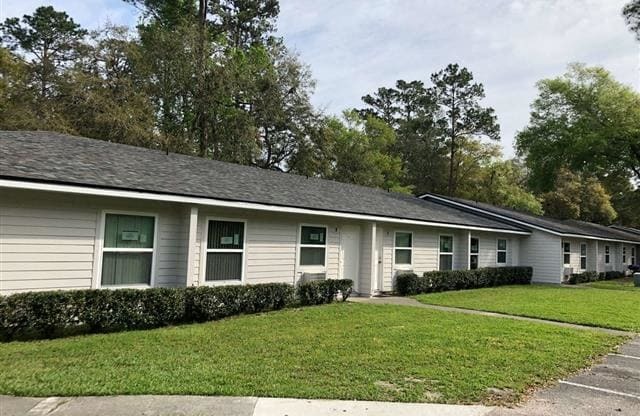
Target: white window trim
point(410, 249)
point(564, 252)
point(453, 249)
point(100, 249)
point(585, 257)
point(299, 246)
point(470, 253)
point(624, 255)
point(633, 255)
point(498, 251)
point(204, 250)
point(607, 254)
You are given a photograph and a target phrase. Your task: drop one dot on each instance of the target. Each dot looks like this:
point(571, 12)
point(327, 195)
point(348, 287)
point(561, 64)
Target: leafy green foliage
point(463, 116)
point(61, 313)
point(502, 183)
point(318, 292)
point(50, 38)
point(577, 278)
point(361, 153)
point(582, 198)
point(588, 306)
point(631, 13)
point(586, 121)
point(305, 352)
point(439, 281)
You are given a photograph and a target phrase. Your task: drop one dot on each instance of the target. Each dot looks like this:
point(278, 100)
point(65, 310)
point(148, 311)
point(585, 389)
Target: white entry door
point(350, 254)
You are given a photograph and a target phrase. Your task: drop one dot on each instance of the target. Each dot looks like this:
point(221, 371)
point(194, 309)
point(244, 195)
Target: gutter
point(524, 223)
point(97, 191)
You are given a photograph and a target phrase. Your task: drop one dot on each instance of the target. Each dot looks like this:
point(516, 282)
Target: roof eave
point(198, 200)
point(528, 224)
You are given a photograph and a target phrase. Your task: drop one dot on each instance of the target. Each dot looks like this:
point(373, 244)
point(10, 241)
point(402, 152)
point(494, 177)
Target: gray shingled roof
point(559, 226)
point(59, 158)
point(627, 229)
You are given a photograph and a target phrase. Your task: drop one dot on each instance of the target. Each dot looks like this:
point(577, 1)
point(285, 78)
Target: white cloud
point(354, 47)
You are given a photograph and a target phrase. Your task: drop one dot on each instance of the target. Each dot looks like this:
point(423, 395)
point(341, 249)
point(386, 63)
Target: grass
point(340, 351)
point(605, 308)
point(618, 284)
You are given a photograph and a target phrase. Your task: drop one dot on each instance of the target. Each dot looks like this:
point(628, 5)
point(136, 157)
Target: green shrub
point(611, 275)
point(440, 281)
point(318, 292)
point(585, 277)
point(60, 313)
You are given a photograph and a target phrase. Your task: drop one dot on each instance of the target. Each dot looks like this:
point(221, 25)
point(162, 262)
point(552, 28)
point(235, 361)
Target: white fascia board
point(524, 223)
point(83, 190)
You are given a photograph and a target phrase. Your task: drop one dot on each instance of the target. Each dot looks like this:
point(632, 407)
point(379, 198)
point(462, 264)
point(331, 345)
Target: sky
point(354, 47)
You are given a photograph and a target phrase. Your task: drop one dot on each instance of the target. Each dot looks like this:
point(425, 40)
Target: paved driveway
point(609, 388)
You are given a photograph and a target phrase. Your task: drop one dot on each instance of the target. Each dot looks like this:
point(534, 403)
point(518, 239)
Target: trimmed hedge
point(611, 275)
point(440, 281)
point(33, 315)
point(317, 292)
point(585, 277)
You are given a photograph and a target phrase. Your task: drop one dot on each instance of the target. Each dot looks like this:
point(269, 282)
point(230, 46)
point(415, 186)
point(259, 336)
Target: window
point(633, 255)
point(446, 252)
point(313, 243)
point(474, 249)
point(566, 249)
point(225, 251)
point(583, 256)
point(127, 253)
point(607, 255)
point(502, 252)
point(403, 248)
point(624, 255)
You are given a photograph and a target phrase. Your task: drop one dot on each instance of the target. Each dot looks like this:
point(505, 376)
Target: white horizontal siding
point(271, 244)
point(543, 252)
point(48, 240)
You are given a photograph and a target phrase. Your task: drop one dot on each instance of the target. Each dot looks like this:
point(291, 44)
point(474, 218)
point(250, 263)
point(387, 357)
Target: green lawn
point(341, 351)
point(615, 309)
point(618, 284)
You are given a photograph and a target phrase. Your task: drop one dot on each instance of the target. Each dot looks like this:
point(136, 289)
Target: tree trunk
point(202, 107)
point(451, 187)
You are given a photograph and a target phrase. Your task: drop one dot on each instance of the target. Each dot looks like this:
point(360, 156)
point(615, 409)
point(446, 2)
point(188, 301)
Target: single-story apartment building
point(557, 248)
point(79, 213)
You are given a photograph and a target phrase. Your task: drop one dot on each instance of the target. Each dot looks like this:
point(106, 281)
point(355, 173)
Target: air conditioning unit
point(568, 271)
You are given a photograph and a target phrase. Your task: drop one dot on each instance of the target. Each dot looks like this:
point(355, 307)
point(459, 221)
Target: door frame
point(345, 230)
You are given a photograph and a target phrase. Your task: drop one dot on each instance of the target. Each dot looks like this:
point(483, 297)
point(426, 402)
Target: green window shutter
point(312, 256)
point(313, 235)
point(403, 240)
point(128, 231)
point(225, 235)
point(403, 256)
point(126, 268)
point(123, 231)
point(223, 266)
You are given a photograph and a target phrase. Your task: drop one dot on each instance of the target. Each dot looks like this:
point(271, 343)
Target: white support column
point(469, 251)
point(374, 259)
point(597, 257)
point(192, 279)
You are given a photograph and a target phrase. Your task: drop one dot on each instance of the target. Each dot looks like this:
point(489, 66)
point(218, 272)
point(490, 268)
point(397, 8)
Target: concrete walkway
point(404, 301)
point(221, 406)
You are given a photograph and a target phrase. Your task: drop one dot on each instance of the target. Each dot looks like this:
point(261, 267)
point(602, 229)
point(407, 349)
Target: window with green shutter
point(225, 250)
point(313, 245)
point(501, 251)
point(446, 252)
point(127, 253)
point(403, 248)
